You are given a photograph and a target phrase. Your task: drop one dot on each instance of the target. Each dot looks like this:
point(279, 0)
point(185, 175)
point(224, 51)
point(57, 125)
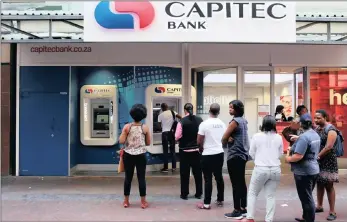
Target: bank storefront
point(149, 62)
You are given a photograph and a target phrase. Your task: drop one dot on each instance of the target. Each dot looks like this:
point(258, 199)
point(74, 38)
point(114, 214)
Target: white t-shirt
point(213, 130)
point(266, 149)
point(166, 120)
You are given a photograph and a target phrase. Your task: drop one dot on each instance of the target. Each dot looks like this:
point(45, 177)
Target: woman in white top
point(266, 150)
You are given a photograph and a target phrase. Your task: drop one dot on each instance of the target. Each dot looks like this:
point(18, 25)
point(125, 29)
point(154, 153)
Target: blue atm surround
point(44, 121)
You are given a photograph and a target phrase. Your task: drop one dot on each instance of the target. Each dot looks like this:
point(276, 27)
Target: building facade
point(51, 66)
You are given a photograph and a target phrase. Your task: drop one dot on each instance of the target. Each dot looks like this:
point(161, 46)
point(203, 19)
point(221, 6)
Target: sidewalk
point(100, 199)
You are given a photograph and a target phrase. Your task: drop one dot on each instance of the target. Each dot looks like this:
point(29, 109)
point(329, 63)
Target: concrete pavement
point(100, 199)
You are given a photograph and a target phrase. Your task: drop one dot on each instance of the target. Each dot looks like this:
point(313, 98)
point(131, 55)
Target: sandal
point(203, 207)
point(144, 205)
point(126, 204)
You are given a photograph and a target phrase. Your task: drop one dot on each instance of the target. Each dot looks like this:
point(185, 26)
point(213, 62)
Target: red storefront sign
point(328, 91)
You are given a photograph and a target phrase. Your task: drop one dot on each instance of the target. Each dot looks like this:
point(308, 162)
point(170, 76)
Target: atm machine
point(99, 115)
point(156, 94)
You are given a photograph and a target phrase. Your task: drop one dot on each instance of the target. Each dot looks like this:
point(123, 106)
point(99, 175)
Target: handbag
point(174, 124)
point(121, 154)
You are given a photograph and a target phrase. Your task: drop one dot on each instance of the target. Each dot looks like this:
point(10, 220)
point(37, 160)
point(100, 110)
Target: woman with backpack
point(327, 159)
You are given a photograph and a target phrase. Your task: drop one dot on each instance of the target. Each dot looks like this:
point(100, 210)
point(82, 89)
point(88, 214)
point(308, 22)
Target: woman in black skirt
point(327, 163)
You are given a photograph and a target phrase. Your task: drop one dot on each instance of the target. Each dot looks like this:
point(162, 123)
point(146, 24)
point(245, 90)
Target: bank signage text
point(190, 21)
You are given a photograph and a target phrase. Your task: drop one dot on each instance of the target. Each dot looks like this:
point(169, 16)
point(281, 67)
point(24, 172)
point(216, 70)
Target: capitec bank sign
point(189, 21)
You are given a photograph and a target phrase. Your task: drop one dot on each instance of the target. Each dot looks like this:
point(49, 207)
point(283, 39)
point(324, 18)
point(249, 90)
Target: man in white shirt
point(167, 119)
point(210, 142)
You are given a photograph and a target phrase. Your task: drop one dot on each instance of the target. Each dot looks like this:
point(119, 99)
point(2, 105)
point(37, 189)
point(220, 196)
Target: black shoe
point(234, 215)
point(164, 170)
point(219, 203)
point(184, 197)
point(319, 210)
point(300, 219)
point(198, 196)
point(244, 212)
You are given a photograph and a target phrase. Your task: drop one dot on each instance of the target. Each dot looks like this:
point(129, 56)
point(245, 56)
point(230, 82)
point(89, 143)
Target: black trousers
point(213, 165)
point(130, 162)
point(237, 170)
point(168, 141)
point(305, 186)
point(190, 160)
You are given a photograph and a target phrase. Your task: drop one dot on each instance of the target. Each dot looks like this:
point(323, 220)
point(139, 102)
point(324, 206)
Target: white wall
point(201, 54)
point(100, 54)
point(285, 55)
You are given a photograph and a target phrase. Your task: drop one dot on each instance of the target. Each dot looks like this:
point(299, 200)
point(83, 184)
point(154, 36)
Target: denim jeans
point(168, 141)
point(305, 186)
point(269, 179)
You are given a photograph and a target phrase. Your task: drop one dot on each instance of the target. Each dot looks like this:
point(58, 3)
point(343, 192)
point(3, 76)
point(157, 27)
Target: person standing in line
point(209, 140)
point(135, 136)
point(167, 118)
point(238, 148)
point(266, 150)
point(327, 160)
point(304, 165)
point(186, 134)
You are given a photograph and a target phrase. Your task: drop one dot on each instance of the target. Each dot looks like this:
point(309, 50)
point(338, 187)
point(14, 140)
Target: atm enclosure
point(156, 94)
point(99, 115)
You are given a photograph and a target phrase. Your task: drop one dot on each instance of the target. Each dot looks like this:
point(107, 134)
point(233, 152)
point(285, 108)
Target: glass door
point(257, 96)
point(301, 91)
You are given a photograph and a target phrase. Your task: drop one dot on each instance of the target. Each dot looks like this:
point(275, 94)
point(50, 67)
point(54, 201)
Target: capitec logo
point(123, 19)
point(89, 91)
point(159, 89)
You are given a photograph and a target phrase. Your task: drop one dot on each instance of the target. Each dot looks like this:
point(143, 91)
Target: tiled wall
point(5, 119)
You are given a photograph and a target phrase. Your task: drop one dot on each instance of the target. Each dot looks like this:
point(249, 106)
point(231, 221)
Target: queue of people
point(312, 156)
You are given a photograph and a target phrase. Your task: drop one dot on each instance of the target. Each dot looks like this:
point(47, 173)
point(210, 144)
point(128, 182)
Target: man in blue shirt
point(305, 166)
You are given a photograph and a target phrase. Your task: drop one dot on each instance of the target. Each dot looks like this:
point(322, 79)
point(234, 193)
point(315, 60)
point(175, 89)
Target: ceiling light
point(249, 72)
point(283, 72)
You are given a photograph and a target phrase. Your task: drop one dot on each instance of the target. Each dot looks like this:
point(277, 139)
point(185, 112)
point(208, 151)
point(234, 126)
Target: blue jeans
point(305, 186)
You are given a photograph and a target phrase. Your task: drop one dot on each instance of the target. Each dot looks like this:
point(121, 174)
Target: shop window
point(256, 98)
point(299, 89)
point(328, 91)
point(219, 86)
point(285, 90)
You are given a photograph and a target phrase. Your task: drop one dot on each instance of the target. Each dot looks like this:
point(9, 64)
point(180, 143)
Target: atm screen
point(101, 119)
point(156, 124)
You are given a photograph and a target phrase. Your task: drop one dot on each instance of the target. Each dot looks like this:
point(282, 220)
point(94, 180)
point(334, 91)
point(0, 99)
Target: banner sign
point(189, 21)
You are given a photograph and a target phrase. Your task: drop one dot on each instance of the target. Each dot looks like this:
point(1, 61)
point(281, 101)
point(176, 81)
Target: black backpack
point(174, 124)
point(339, 140)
